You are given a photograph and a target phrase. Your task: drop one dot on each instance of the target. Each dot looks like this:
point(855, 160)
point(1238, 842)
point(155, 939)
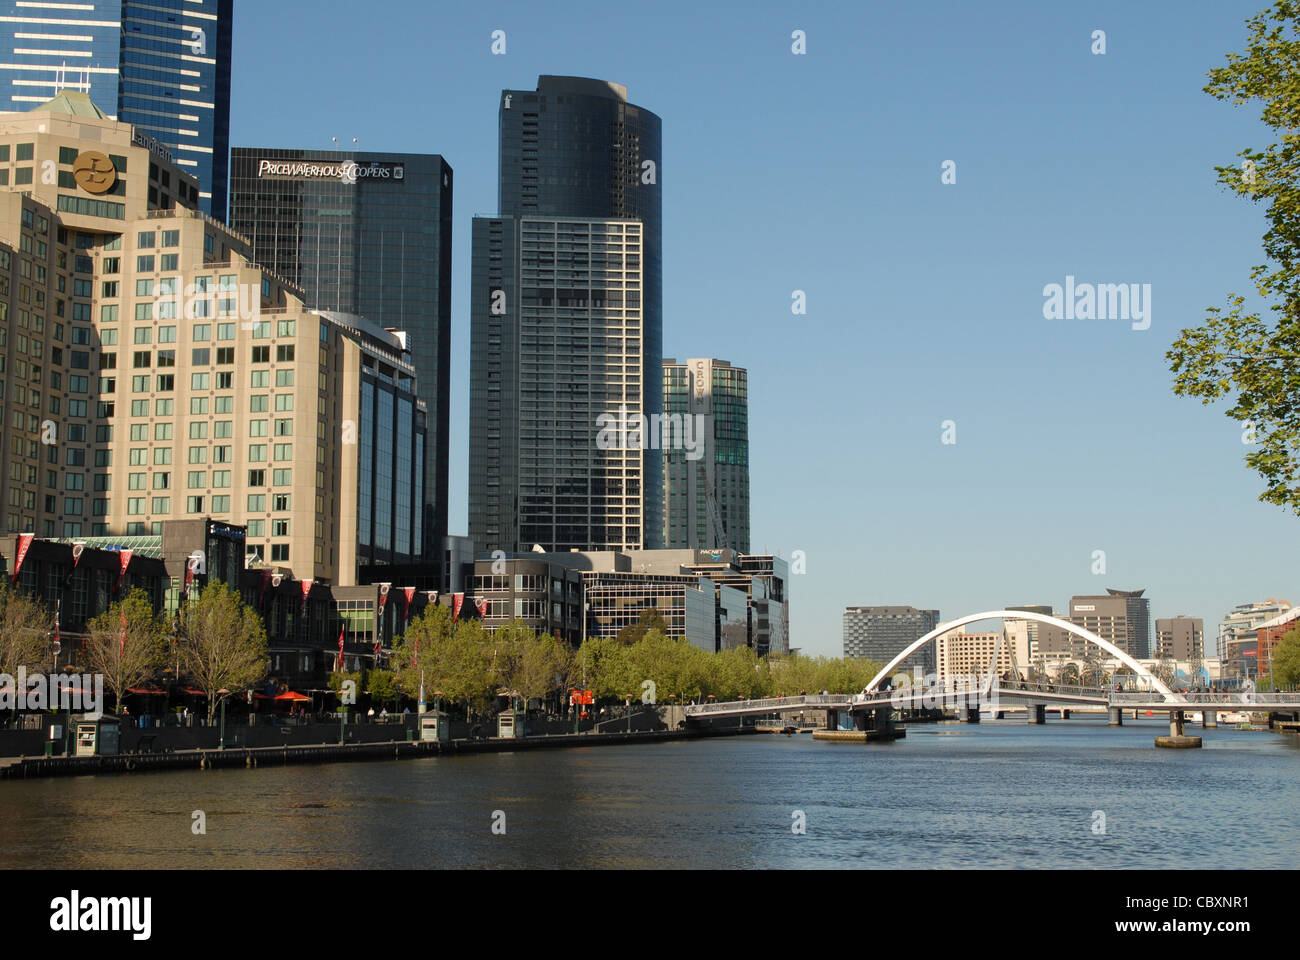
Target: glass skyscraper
point(162, 66)
point(366, 234)
point(567, 322)
point(706, 489)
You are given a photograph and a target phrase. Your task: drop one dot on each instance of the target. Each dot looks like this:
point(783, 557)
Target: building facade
point(706, 475)
point(569, 325)
point(150, 371)
point(367, 234)
point(1121, 616)
point(1238, 643)
point(1179, 638)
point(962, 654)
point(556, 457)
point(162, 66)
point(883, 632)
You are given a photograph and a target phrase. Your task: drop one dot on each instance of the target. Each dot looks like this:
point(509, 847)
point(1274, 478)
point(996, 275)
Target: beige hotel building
point(150, 372)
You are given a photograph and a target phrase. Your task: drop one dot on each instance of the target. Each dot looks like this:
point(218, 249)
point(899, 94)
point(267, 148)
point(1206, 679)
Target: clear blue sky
point(822, 173)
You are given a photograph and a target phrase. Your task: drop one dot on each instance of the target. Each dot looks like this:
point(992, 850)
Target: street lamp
point(223, 693)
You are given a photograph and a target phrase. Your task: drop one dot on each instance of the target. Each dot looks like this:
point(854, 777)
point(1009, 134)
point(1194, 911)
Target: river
point(949, 795)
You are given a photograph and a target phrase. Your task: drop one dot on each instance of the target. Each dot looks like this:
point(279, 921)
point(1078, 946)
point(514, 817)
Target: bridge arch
point(1073, 628)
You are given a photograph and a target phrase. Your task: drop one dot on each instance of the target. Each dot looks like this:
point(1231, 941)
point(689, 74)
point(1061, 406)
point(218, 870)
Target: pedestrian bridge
point(992, 693)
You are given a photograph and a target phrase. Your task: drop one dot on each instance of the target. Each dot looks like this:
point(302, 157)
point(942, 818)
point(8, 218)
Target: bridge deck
point(988, 698)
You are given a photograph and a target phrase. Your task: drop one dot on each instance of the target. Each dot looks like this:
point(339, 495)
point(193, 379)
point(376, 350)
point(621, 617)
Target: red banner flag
point(457, 600)
point(409, 593)
point(340, 660)
point(24, 544)
point(482, 607)
point(383, 596)
point(121, 573)
point(306, 591)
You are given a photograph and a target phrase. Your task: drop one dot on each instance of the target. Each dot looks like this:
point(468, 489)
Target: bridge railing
point(1065, 689)
point(1213, 699)
point(775, 704)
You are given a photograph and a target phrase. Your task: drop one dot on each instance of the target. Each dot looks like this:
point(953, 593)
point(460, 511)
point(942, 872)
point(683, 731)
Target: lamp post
point(223, 693)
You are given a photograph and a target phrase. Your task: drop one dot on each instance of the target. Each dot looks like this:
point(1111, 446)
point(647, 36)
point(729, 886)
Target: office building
point(706, 474)
point(556, 386)
point(367, 234)
point(1179, 638)
point(882, 633)
point(162, 66)
point(962, 654)
point(566, 325)
point(154, 373)
point(1121, 616)
point(1238, 644)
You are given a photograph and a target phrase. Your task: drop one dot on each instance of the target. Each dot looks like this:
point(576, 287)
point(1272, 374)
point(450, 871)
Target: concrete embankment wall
point(332, 753)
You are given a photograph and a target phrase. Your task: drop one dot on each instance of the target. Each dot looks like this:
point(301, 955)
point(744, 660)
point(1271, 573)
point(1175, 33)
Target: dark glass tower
point(573, 148)
point(162, 66)
point(366, 234)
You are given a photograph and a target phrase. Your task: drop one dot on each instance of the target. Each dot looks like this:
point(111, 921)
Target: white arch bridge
point(1034, 697)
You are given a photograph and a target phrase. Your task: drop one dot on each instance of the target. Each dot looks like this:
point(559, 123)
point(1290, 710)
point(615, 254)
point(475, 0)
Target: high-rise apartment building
point(566, 325)
point(882, 633)
point(153, 372)
point(962, 654)
point(367, 234)
point(1179, 638)
point(1121, 616)
point(161, 65)
point(706, 474)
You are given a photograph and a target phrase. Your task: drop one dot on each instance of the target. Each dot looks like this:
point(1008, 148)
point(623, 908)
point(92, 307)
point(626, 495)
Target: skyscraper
point(161, 65)
point(706, 489)
point(566, 324)
point(367, 234)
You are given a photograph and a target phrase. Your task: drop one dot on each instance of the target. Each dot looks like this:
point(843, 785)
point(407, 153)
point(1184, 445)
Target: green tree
point(26, 632)
point(382, 687)
point(1286, 660)
point(127, 643)
point(456, 660)
point(1241, 352)
point(222, 643)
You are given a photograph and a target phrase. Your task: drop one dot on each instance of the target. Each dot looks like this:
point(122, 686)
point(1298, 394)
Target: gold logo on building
point(94, 172)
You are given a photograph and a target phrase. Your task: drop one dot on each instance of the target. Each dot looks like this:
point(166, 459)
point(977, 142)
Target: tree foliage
point(1239, 352)
point(222, 643)
point(1285, 671)
point(26, 631)
point(127, 643)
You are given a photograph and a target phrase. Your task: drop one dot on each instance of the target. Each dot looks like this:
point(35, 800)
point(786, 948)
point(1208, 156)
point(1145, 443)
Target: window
point(284, 378)
point(224, 404)
point(260, 378)
point(257, 453)
point(225, 331)
point(257, 528)
point(199, 381)
point(202, 333)
point(171, 238)
point(221, 504)
point(193, 504)
point(284, 401)
point(257, 478)
point(225, 355)
point(143, 335)
point(280, 502)
point(162, 431)
point(198, 430)
point(162, 481)
point(279, 553)
point(197, 479)
point(257, 428)
point(282, 477)
point(224, 429)
point(221, 479)
point(284, 353)
point(261, 355)
point(257, 503)
point(162, 456)
point(145, 241)
point(144, 264)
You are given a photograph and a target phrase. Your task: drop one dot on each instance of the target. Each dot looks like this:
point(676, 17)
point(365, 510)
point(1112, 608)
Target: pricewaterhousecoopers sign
point(345, 170)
